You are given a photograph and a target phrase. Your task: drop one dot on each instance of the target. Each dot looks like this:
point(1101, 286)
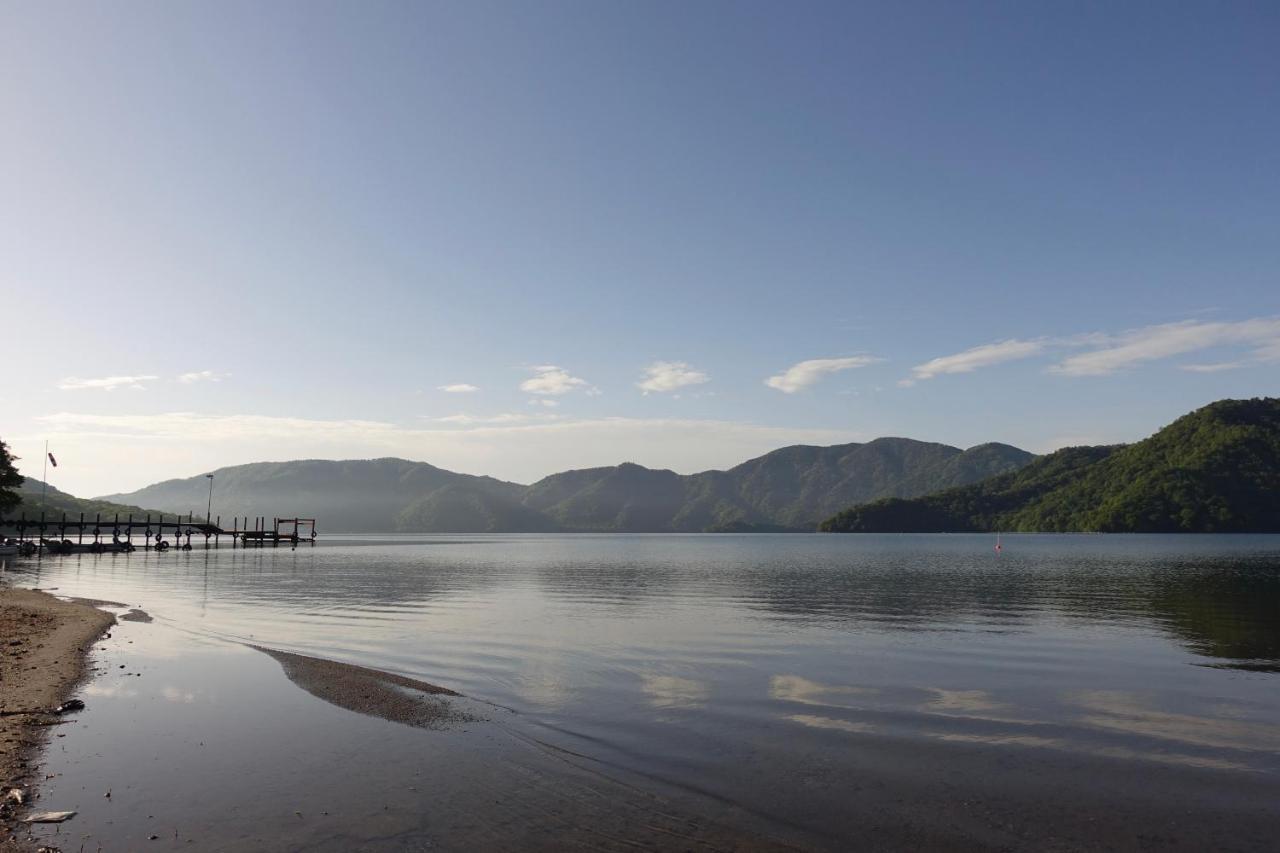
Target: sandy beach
point(42, 659)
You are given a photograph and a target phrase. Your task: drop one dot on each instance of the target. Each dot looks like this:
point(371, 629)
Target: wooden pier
point(113, 534)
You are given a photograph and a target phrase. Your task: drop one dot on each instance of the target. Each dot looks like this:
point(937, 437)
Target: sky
point(517, 238)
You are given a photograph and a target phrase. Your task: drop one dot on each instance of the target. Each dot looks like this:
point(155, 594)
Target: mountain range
point(1214, 470)
point(788, 489)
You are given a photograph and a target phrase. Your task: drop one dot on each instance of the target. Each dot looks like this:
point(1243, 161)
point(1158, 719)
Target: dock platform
point(114, 534)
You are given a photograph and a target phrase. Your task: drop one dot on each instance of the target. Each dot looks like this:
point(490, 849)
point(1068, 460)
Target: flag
point(52, 461)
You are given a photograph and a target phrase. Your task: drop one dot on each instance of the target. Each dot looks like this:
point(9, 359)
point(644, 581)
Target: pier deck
point(70, 534)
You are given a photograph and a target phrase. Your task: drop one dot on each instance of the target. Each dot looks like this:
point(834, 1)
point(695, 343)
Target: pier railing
point(115, 534)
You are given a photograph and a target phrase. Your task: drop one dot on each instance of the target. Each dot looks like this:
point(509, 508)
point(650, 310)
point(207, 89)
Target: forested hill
point(1216, 469)
point(54, 503)
point(789, 489)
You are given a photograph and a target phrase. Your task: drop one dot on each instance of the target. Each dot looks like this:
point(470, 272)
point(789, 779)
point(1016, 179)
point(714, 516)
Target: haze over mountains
point(1216, 469)
point(793, 488)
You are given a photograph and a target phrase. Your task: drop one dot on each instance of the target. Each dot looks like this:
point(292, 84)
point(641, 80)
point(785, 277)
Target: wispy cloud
point(972, 359)
point(458, 388)
point(806, 373)
point(176, 425)
point(1102, 353)
point(504, 418)
point(106, 383)
point(202, 376)
point(137, 383)
point(549, 379)
point(1216, 367)
point(1260, 335)
point(669, 376)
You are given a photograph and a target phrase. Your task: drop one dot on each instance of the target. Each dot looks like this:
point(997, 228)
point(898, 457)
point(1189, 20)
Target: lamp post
point(208, 513)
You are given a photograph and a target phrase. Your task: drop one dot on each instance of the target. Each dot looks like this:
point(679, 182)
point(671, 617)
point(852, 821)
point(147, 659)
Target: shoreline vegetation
point(44, 646)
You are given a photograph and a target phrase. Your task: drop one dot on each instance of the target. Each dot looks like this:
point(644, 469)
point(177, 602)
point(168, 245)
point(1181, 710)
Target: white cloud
point(1100, 353)
point(458, 388)
point(544, 402)
point(669, 376)
point(972, 359)
point(107, 383)
point(202, 376)
point(1260, 335)
point(806, 373)
point(550, 379)
point(505, 418)
point(124, 452)
point(1216, 367)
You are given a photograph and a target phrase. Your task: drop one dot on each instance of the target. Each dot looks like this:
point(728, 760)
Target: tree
point(10, 480)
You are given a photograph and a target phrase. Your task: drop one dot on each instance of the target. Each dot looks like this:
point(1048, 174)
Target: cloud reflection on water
point(669, 691)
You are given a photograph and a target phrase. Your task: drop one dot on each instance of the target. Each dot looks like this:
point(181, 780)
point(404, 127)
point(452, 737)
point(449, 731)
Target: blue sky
point(680, 234)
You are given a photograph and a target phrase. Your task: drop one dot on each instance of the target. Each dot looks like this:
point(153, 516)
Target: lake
point(816, 691)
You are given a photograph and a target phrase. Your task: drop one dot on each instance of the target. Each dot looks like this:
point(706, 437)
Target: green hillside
point(791, 488)
point(625, 497)
point(1216, 469)
point(56, 503)
point(788, 489)
point(466, 508)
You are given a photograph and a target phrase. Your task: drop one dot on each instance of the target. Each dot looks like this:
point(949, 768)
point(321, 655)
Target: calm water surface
point(782, 675)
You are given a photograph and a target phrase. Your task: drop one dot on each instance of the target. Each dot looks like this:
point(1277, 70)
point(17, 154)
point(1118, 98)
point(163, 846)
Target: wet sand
point(372, 691)
point(43, 646)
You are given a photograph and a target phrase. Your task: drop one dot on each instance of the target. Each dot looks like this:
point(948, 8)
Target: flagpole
point(44, 478)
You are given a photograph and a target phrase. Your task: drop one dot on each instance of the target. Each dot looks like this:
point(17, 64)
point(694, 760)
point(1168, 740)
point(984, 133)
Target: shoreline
point(484, 782)
point(44, 647)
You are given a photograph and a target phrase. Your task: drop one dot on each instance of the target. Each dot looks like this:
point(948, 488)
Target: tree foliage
point(1216, 469)
point(54, 503)
point(10, 480)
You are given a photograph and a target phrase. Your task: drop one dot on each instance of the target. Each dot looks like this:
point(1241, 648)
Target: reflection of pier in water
point(114, 535)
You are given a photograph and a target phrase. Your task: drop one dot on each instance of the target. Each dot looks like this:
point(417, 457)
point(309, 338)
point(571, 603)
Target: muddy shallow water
point(700, 692)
